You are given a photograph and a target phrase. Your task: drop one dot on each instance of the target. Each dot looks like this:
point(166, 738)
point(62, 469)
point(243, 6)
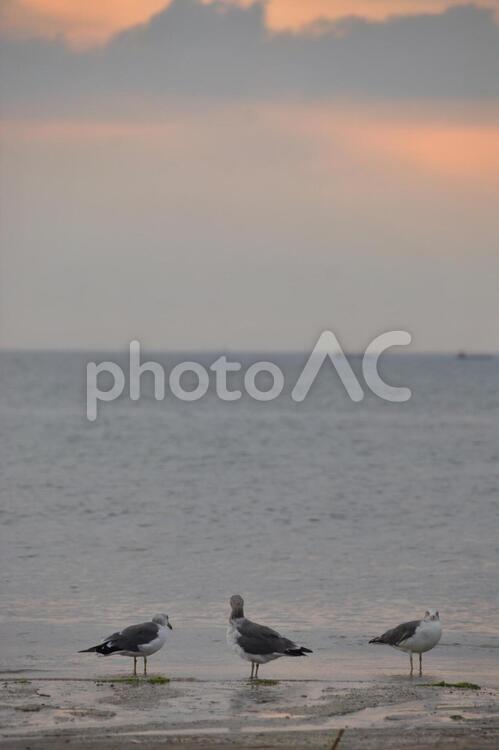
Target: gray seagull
point(257, 643)
point(416, 636)
point(136, 641)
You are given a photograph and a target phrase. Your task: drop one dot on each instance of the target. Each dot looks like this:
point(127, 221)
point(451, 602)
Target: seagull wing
point(397, 636)
point(258, 639)
point(129, 639)
point(134, 636)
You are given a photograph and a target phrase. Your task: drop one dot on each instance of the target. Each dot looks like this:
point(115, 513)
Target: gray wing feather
point(258, 639)
point(398, 635)
point(132, 637)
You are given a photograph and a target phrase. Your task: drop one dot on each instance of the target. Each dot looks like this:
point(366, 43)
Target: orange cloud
point(459, 146)
point(464, 151)
point(295, 14)
point(418, 140)
point(85, 23)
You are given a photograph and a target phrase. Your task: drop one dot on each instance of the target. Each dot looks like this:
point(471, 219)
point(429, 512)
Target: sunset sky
point(243, 175)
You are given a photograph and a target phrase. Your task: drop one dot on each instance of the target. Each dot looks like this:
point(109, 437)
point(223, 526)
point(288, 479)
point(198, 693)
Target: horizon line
point(462, 353)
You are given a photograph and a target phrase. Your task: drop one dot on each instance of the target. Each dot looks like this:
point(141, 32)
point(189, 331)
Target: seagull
point(257, 643)
point(136, 640)
point(415, 637)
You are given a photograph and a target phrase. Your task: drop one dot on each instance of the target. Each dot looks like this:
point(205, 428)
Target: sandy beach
point(314, 714)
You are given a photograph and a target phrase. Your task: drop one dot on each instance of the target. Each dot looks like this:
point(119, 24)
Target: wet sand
point(43, 713)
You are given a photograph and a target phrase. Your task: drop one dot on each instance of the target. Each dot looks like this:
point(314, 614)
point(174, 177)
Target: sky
point(236, 174)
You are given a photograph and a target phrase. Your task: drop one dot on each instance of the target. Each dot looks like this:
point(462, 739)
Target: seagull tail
point(299, 651)
point(103, 649)
point(377, 640)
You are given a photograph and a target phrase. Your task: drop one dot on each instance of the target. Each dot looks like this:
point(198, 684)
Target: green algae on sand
point(133, 680)
point(264, 682)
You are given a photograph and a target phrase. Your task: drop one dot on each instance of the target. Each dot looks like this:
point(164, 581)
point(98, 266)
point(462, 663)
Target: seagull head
point(162, 620)
point(431, 614)
point(237, 605)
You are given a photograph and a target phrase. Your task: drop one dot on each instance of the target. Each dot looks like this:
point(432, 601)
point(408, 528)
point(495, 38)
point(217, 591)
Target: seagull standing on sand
point(415, 637)
point(137, 641)
point(257, 643)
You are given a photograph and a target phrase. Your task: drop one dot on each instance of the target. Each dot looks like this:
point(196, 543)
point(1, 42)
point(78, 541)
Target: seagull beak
point(169, 625)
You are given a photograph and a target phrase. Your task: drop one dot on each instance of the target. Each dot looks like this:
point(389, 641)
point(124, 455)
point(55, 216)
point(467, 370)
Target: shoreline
point(113, 712)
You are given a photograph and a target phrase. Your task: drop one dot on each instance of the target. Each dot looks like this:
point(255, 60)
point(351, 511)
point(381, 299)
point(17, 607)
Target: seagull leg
point(145, 666)
point(252, 669)
point(135, 666)
point(420, 665)
point(256, 671)
point(412, 665)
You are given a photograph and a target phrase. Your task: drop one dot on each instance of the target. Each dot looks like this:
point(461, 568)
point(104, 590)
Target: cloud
point(239, 224)
point(204, 180)
point(417, 140)
point(82, 23)
point(283, 15)
point(205, 51)
point(85, 23)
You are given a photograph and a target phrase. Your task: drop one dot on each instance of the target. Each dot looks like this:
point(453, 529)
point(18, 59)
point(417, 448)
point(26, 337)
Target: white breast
point(156, 644)
point(232, 636)
point(425, 638)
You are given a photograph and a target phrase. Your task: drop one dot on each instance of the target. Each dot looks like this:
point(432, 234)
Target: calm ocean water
point(334, 519)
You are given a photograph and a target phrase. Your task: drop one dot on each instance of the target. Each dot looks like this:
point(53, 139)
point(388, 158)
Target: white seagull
point(136, 640)
point(257, 643)
point(415, 637)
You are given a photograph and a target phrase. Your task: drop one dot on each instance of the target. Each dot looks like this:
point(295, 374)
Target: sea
point(334, 519)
